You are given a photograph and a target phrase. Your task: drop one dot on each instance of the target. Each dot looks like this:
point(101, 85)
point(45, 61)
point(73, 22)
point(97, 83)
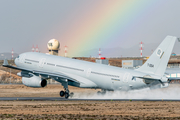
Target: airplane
point(37, 68)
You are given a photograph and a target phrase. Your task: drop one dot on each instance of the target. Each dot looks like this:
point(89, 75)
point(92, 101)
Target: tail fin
point(158, 61)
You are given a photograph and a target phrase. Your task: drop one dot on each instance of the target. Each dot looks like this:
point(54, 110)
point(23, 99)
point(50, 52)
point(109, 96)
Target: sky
point(85, 25)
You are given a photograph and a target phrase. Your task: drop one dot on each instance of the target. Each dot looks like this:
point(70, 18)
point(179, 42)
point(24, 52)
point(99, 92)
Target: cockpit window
point(18, 57)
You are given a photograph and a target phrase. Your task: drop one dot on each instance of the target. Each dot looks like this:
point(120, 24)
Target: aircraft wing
point(55, 75)
point(73, 80)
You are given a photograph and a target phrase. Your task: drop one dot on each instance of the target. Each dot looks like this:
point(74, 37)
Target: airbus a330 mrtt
point(37, 68)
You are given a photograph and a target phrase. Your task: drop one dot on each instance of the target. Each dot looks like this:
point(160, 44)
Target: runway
point(63, 99)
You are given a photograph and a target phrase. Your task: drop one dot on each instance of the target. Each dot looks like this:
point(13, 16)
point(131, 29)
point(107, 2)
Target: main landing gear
point(102, 92)
point(66, 92)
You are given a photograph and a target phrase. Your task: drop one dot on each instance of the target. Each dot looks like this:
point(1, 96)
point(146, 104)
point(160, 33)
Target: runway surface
point(63, 99)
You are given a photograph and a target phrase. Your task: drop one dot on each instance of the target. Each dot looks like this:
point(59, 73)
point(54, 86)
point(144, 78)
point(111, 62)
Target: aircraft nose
point(15, 61)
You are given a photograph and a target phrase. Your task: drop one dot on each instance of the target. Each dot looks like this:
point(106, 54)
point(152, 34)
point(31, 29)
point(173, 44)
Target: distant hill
point(127, 52)
point(7, 56)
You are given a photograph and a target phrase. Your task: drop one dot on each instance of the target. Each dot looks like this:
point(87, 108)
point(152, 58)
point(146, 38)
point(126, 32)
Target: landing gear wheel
point(103, 92)
point(99, 92)
point(66, 95)
point(62, 93)
point(66, 90)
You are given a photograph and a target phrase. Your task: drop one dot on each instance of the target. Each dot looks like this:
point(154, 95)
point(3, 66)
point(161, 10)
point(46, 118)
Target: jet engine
point(34, 81)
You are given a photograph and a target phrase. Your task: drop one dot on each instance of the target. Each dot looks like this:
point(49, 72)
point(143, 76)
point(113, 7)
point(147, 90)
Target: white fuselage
point(99, 75)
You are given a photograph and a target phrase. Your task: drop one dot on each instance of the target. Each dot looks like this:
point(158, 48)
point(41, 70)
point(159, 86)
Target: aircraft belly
point(126, 85)
point(137, 84)
point(101, 81)
point(84, 82)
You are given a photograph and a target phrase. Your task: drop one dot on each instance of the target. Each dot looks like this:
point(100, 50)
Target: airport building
point(131, 64)
point(102, 60)
point(174, 63)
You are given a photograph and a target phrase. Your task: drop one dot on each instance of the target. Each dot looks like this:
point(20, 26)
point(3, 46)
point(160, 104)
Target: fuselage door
point(88, 72)
point(126, 77)
point(41, 63)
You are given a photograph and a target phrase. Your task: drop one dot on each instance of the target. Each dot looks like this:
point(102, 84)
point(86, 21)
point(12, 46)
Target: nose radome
point(16, 61)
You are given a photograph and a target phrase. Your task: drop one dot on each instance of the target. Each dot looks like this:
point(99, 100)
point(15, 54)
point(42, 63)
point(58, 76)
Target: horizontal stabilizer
point(147, 78)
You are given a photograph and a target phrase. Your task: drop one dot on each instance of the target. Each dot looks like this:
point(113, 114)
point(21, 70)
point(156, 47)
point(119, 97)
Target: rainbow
point(105, 24)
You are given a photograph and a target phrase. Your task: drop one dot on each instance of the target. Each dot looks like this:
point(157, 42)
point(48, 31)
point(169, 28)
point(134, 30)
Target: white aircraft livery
point(37, 68)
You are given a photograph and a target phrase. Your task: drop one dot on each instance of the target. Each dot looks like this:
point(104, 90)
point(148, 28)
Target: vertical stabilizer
point(158, 61)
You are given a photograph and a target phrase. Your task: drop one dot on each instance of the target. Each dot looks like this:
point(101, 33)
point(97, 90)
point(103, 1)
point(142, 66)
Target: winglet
point(5, 62)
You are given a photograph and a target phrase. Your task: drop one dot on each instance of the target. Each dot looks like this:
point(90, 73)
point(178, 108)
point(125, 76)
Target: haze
point(24, 23)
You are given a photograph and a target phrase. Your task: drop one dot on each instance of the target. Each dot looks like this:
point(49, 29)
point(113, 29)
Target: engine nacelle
point(34, 81)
